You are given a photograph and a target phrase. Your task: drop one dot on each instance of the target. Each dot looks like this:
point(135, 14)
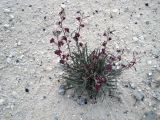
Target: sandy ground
point(29, 70)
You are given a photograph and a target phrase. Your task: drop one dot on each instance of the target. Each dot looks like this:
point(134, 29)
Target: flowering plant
point(88, 73)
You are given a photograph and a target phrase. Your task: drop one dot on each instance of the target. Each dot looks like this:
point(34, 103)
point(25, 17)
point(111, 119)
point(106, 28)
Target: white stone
point(48, 68)
point(149, 62)
point(14, 94)
point(154, 66)
point(63, 5)
point(118, 67)
point(2, 101)
point(150, 74)
point(150, 104)
point(11, 55)
point(115, 10)
point(11, 16)
point(9, 60)
point(117, 46)
point(155, 108)
point(7, 10)
point(6, 25)
point(141, 37)
point(21, 57)
point(135, 39)
point(18, 43)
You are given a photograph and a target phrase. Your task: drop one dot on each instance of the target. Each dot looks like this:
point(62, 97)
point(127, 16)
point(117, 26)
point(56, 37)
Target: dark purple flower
point(52, 40)
point(78, 18)
point(101, 79)
point(60, 43)
point(58, 52)
point(103, 50)
point(64, 56)
point(104, 34)
point(104, 43)
point(62, 61)
point(80, 44)
point(98, 86)
point(64, 38)
point(109, 67)
point(119, 57)
point(59, 23)
point(82, 25)
point(66, 30)
point(113, 58)
point(123, 66)
point(63, 18)
point(109, 38)
point(61, 12)
point(75, 38)
point(77, 34)
point(118, 50)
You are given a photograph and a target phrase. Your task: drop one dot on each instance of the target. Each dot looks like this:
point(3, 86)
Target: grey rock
point(150, 116)
point(56, 118)
point(74, 98)
point(139, 95)
point(61, 90)
point(82, 101)
point(157, 95)
point(132, 86)
point(9, 60)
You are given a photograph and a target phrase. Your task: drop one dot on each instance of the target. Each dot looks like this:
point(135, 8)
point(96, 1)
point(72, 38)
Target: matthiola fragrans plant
point(87, 73)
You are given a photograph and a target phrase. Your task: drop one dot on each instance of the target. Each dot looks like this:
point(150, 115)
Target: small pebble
point(150, 74)
point(157, 95)
point(18, 43)
point(17, 61)
point(149, 62)
point(139, 95)
point(6, 26)
point(9, 60)
point(135, 23)
point(14, 94)
point(11, 16)
point(56, 118)
point(132, 85)
point(2, 101)
point(44, 97)
point(135, 39)
point(7, 10)
point(48, 69)
point(63, 5)
point(61, 90)
point(82, 101)
point(27, 90)
point(147, 22)
point(146, 4)
point(150, 116)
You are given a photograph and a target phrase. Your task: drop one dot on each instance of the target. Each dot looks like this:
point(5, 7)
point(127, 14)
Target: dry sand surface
point(29, 70)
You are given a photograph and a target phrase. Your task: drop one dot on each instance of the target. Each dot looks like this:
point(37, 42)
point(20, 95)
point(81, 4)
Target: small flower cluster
point(89, 73)
point(61, 36)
